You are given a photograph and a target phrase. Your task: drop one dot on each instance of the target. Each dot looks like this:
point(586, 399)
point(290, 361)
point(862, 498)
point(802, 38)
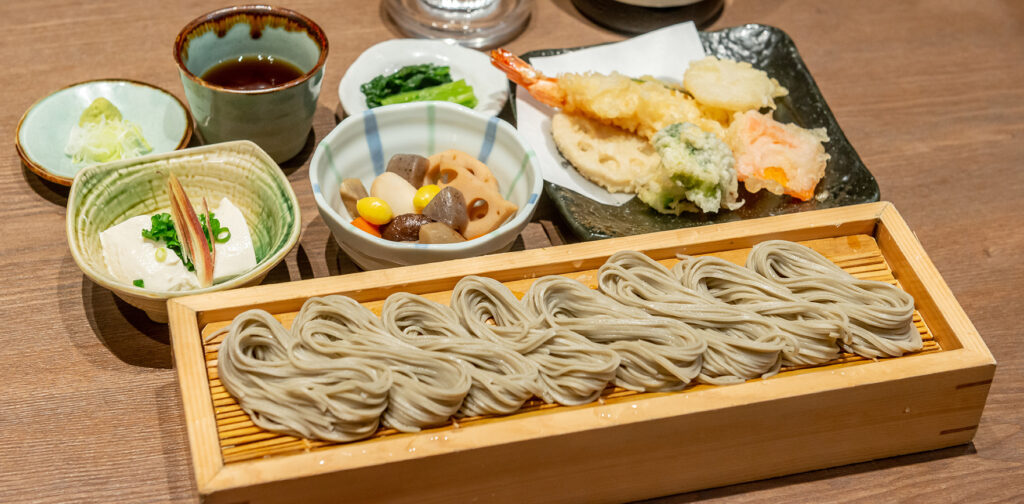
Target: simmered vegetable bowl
point(447, 198)
point(354, 150)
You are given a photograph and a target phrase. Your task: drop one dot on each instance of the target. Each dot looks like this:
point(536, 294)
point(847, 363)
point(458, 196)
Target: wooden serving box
point(627, 445)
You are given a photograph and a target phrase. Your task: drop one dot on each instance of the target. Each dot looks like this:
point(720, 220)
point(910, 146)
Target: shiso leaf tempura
point(696, 169)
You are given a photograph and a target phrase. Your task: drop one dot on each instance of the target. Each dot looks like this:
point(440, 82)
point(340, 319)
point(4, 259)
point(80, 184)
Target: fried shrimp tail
point(543, 88)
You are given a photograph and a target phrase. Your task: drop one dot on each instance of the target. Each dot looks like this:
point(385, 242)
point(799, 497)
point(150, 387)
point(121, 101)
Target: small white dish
point(489, 84)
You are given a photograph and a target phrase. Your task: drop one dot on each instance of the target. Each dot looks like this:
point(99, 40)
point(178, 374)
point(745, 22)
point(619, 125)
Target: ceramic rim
point(184, 38)
point(41, 170)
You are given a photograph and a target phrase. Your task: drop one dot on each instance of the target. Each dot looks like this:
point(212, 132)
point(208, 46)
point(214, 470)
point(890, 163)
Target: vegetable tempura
point(782, 158)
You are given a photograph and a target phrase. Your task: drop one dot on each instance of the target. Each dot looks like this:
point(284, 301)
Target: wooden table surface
point(931, 94)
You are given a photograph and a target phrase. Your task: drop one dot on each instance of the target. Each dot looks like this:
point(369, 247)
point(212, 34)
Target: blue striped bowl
point(361, 145)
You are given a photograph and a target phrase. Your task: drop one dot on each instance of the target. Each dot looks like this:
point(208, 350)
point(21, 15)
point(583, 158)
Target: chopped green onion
point(139, 283)
point(162, 230)
point(160, 254)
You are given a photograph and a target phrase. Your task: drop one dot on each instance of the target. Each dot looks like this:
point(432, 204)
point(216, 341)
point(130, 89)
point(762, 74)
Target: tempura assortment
point(709, 133)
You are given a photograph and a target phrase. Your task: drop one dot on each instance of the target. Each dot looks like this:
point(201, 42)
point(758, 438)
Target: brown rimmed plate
point(43, 130)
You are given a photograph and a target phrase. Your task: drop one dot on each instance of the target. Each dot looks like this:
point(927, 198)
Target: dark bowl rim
point(314, 30)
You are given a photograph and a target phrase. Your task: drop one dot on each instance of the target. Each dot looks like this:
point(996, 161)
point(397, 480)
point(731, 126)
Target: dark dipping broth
point(255, 71)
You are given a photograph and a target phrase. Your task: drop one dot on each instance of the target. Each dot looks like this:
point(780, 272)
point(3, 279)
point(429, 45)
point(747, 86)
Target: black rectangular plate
point(847, 181)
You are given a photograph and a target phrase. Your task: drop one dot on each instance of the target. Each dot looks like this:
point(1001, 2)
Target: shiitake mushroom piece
point(405, 227)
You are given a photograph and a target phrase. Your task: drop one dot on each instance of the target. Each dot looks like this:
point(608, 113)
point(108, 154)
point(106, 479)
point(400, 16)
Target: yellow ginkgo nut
point(424, 195)
point(374, 210)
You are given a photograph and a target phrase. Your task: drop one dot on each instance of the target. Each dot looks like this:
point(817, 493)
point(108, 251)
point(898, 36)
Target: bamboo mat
point(241, 440)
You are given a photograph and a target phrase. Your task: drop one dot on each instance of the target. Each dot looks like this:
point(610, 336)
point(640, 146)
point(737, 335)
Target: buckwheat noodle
point(655, 354)
point(502, 378)
point(809, 330)
point(336, 400)
point(739, 347)
point(428, 386)
point(572, 369)
point(880, 315)
point(341, 371)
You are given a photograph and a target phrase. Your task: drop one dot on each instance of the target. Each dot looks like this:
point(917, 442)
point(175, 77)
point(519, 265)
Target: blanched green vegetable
point(456, 92)
point(696, 171)
point(102, 135)
point(409, 78)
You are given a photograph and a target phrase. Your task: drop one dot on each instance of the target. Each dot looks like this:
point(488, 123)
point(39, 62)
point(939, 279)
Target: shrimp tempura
point(641, 106)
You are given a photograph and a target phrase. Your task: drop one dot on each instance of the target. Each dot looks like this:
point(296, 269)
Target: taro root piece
point(439, 232)
point(352, 190)
point(449, 207)
point(411, 167)
point(397, 191)
point(405, 227)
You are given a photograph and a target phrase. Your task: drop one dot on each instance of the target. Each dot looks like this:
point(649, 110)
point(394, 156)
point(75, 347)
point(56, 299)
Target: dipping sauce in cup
point(253, 72)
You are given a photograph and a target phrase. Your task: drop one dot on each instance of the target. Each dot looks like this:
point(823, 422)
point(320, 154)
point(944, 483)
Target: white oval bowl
point(361, 145)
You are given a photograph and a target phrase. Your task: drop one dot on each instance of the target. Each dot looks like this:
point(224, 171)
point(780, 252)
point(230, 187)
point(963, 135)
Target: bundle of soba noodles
point(341, 371)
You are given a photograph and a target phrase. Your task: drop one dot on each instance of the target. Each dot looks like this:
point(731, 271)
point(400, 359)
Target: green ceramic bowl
point(107, 194)
point(43, 130)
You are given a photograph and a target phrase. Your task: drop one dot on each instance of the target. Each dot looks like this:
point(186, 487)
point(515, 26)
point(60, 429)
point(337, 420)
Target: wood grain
point(928, 93)
point(240, 439)
point(626, 445)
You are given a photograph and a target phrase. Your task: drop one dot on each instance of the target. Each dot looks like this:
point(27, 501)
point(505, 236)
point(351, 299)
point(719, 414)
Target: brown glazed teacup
point(223, 59)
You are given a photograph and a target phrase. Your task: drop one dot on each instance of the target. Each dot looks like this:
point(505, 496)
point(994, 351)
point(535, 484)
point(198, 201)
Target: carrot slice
point(365, 225)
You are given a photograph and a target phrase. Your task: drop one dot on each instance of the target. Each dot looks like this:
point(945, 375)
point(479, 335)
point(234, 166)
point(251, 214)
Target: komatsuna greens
point(426, 82)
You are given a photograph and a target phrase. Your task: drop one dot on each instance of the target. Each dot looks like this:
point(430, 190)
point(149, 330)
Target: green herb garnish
point(409, 78)
point(139, 283)
point(162, 230)
point(220, 234)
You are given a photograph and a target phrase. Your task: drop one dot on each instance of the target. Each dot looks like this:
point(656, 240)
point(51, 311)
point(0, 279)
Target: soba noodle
point(428, 386)
point(341, 371)
point(655, 353)
point(739, 347)
point(573, 370)
point(336, 400)
point(880, 315)
point(502, 378)
point(810, 330)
